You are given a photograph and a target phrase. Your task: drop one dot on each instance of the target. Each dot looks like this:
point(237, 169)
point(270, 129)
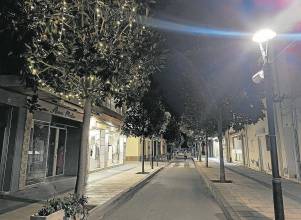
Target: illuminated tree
point(89, 50)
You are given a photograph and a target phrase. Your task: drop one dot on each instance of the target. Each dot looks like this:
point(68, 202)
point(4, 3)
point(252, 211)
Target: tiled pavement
point(101, 187)
point(249, 196)
point(99, 192)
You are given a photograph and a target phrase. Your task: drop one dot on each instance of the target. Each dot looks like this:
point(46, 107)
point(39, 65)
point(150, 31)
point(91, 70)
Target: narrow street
point(175, 193)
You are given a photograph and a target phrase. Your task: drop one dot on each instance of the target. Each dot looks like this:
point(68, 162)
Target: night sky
point(193, 58)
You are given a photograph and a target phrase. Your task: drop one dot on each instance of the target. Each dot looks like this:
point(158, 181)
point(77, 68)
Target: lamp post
point(263, 37)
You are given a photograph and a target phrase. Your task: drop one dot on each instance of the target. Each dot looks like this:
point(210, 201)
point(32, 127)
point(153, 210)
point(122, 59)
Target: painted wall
point(132, 149)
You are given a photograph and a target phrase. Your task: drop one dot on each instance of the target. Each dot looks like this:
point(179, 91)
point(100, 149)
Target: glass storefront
point(46, 154)
point(5, 133)
point(106, 145)
point(95, 146)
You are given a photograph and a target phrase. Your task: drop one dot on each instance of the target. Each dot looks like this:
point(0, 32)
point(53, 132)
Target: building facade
point(250, 146)
point(155, 146)
point(106, 143)
point(44, 145)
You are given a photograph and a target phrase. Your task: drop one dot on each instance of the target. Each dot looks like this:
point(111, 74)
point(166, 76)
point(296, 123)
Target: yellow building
point(134, 148)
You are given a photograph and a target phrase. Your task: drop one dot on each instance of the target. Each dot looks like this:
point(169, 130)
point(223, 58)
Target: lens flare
point(190, 29)
point(209, 32)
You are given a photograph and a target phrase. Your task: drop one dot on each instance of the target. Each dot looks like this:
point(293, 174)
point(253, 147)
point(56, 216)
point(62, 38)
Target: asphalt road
point(176, 193)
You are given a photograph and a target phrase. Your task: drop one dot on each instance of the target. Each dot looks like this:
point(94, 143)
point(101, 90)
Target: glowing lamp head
point(264, 35)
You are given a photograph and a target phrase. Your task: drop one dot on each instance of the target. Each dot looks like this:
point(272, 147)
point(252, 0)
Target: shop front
point(54, 144)
point(237, 150)
point(8, 133)
point(46, 154)
point(106, 145)
point(12, 122)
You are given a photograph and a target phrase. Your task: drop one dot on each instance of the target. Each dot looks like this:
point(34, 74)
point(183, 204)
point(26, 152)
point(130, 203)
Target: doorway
point(46, 154)
point(56, 151)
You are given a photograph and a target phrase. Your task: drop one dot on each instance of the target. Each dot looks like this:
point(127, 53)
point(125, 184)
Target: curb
point(220, 199)
point(100, 211)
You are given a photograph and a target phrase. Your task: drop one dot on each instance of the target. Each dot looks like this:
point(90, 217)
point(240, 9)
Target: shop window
point(56, 151)
point(46, 153)
point(37, 152)
point(60, 157)
point(94, 144)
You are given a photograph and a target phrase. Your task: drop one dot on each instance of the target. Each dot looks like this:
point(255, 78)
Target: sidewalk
point(102, 186)
point(249, 196)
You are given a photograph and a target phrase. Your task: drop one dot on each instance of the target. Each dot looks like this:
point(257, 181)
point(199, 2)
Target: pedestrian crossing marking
point(181, 165)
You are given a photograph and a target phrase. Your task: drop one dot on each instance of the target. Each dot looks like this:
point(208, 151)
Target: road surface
point(176, 193)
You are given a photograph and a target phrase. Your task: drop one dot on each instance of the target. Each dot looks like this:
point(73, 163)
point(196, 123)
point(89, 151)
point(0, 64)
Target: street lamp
point(263, 37)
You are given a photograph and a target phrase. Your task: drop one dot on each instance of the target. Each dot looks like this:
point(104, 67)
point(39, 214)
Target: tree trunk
point(157, 153)
point(221, 151)
point(152, 155)
point(207, 151)
point(83, 151)
point(142, 157)
point(200, 152)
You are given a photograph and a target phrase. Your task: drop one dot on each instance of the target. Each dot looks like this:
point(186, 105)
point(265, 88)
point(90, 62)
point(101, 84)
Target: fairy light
point(97, 17)
point(63, 19)
point(34, 72)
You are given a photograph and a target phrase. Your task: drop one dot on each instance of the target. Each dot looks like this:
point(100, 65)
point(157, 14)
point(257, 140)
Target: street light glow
point(264, 35)
point(258, 77)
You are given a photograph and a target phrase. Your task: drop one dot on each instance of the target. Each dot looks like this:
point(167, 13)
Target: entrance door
point(37, 153)
point(56, 151)
point(5, 119)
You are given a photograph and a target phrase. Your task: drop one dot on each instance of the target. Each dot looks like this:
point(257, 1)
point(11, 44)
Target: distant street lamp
point(263, 37)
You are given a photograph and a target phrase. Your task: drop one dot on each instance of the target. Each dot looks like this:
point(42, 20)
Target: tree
point(145, 118)
point(233, 108)
point(223, 103)
point(85, 50)
point(14, 35)
point(172, 134)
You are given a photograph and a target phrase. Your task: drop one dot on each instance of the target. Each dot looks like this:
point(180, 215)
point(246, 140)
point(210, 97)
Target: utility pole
point(263, 37)
point(276, 180)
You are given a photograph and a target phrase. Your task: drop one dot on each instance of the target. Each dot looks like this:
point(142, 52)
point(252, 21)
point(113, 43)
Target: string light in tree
point(63, 20)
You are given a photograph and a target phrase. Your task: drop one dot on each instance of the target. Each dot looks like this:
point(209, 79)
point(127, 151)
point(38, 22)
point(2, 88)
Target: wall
point(133, 149)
